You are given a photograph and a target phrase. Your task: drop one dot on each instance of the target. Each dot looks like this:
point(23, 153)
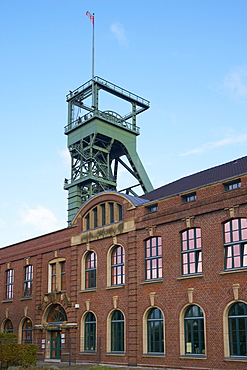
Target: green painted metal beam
point(96, 139)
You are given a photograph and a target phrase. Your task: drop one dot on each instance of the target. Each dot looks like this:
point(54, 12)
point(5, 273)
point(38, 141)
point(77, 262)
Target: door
point(55, 345)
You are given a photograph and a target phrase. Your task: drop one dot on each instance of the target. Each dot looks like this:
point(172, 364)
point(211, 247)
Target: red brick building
point(158, 280)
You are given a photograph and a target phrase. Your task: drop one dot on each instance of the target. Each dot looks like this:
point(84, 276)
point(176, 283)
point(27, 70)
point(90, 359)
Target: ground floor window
point(27, 331)
point(117, 331)
point(90, 332)
point(8, 326)
point(237, 326)
point(194, 330)
point(155, 331)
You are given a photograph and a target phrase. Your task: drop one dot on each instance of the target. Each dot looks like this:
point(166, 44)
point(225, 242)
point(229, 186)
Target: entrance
point(55, 345)
point(55, 318)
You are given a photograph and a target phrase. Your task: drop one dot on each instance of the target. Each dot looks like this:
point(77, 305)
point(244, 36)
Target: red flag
point(90, 16)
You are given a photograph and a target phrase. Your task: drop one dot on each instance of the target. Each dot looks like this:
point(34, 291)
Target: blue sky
point(187, 57)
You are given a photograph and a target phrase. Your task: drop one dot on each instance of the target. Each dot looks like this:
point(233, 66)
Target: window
point(117, 265)
point(63, 276)
point(189, 198)
point(111, 205)
point(53, 276)
point(194, 330)
point(27, 331)
point(9, 284)
point(155, 331)
point(95, 217)
point(117, 332)
point(87, 221)
point(235, 243)
point(57, 275)
point(233, 185)
point(103, 214)
point(89, 332)
point(153, 258)
point(90, 270)
point(191, 251)
point(8, 326)
point(152, 208)
point(120, 212)
point(56, 313)
point(28, 280)
point(237, 323)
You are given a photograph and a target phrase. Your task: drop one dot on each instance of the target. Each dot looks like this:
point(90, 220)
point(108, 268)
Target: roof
point(212, 175)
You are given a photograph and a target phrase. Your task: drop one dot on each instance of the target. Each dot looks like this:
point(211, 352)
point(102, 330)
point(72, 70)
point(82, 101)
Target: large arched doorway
point(56, 316)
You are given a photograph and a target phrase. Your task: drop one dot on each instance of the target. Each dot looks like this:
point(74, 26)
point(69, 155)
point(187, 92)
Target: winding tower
point(99, 140)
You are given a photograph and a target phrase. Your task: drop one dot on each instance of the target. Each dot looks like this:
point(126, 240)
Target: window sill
point(87, 290)
point(191, 276)
point(233, 271)
point(55, 292)
point(236, 358)
point(193, 356)
point(7, 300)
point(91, 353)
point(26, 298)
point(152, 281)
point(155, 354)
point(115, 353)
point(115, 287)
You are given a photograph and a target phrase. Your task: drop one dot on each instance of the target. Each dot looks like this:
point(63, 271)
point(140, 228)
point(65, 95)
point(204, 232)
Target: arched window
point(194, 330)
point(235, 243)
point(153, 258)
point(191, 249)
point(8, 326)
point(117, 331)
point(27, 331)
point(117, 266)
point(56, 313)
point(89, 332)
point(155, 331)
point(90, 270)
point(237, 324)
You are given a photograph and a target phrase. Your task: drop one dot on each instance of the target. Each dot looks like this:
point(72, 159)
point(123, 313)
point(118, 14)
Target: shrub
point(14, 354)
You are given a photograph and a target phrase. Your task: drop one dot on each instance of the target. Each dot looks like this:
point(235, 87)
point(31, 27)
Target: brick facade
point(214, 289)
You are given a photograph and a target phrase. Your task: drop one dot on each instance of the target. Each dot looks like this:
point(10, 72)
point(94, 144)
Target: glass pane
point(227, 226)
point(185, 269)
point(243, 223)
point(191, 233)
point(244, 234)
point(192, 257)
point(237, 262)
point(198, 232)
point(227, 238)
point(191, 244)
point(236, 250)
point(184, 245)
point(199, 267)
point(235, 236)
point(192, 268)
point(184, 235)
point(235, 224)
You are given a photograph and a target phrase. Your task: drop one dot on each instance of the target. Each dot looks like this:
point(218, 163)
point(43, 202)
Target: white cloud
point(235, 83)
point(119, 32)
point(237, 139)
point(39, 217)
point(64, 154)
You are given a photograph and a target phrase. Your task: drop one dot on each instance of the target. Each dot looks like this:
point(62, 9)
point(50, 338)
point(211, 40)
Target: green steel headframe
point(98, 139)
